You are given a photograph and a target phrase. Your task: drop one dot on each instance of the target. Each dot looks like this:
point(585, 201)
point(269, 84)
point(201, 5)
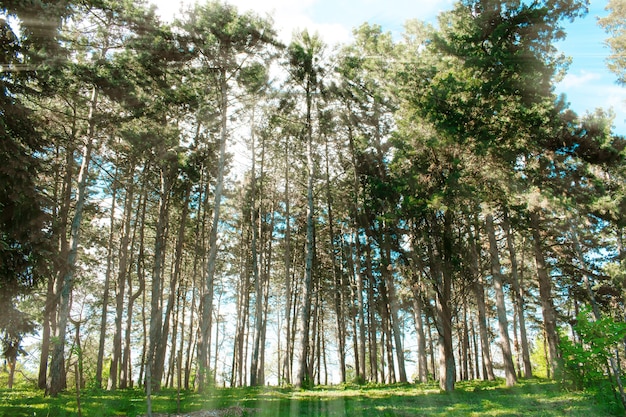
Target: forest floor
point(532, 397)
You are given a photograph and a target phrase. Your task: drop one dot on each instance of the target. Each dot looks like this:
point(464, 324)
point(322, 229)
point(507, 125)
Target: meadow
point(533, 397)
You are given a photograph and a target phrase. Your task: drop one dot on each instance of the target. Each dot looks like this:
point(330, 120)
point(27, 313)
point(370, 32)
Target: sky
point(587, 86)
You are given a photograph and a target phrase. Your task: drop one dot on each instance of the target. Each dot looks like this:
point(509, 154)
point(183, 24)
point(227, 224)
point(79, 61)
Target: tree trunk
point(140, 221)
point(256, 225)
point(518, 296)
point(66, 283)
point(105, 296)
point(207, 298)
point(45, 335)
point(496, 272)
point(360, 316)
point(371, 316)
point(243, 306)
point(387, 270)
point(422, 366)
point(302, 371)
point(61, 221)
point(442, 281)
point(122, 277)
point(174, 280)
point(545, 294)
point(479, 294)
point(447, 368)
point(288, 355)
point(156, 297)
point(464, 342)
point(338, 285)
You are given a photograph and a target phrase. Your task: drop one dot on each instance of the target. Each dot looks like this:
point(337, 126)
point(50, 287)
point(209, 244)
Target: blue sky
point(587, 86)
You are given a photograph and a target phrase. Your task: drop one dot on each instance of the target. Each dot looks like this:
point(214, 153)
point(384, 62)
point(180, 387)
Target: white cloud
point(587, 91)
point(582, 79)
point(332, 19)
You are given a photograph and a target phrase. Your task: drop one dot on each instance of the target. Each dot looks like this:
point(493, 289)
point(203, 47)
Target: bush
point(585, 361)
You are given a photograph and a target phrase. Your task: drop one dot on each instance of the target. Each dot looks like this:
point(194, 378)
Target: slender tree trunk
point(447, 368)
point(255, 223)
point(156, 297)
point(61, 222)
point(496, 272)
point(360, 304)
point(140, 221)
point(479, 294)
point(386, 344)
point(57, 369)
point(443, 284)
point(465, 343)
point(431, 347)
point(243, 305)
point(357, 257)
point(45, 335)
point(476, 354)
point(518, 296)
point(545, 294)
point(105, 296)
point(125, 368)
point(266, 290)
point(198, 257)
point(207, 298)
point(10, 356)
point(121, 287)
point(371, 316)
point(338, 285)
point(422, 366)
point(174, 280)
point(302, 370)
point(387, 269)
point(288, 355)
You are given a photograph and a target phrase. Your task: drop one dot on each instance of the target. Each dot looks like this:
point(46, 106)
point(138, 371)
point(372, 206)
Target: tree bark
point(387, 269)
point(302, 371)
point(479, 294)
point(105, 296)
point(122, 277)
point(206, 319)
point(338, 285)
point(66, 283)
point(422, 366)
point(518, 296)
point(256, 225)
point(442, 281)
point(174, 281)
point(496, 272)
point(156, 300)
point(545, 294)
point(286, 198)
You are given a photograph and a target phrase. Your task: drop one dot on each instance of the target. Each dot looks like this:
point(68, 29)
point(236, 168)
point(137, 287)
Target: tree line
point(425, 202)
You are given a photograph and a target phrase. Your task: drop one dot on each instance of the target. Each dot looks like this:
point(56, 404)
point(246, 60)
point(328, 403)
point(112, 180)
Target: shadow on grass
point(528, 398)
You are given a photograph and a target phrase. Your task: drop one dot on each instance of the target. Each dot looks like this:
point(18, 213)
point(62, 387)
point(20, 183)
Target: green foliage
point(615, 25)
point(586, 361)
point(538, 358)
point(14, 326)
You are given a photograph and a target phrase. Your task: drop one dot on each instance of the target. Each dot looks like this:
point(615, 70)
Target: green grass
point(529, 398)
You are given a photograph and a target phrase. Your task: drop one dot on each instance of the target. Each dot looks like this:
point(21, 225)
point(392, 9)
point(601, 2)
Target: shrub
point(585, 361)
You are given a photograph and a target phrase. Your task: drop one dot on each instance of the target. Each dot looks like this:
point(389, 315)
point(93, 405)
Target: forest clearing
point(531, 398)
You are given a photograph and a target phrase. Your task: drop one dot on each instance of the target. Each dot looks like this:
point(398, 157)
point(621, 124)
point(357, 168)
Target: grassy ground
point(528, 398)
